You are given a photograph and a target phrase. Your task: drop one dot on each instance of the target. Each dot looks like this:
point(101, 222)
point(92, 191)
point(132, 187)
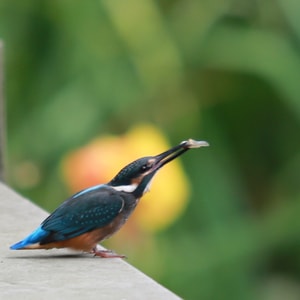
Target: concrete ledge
point(61, 274)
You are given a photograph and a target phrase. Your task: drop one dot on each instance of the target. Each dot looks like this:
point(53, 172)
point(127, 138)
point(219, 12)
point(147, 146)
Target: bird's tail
point(35, 237)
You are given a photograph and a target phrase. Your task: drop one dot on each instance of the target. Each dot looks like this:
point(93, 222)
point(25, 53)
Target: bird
point(96, 213)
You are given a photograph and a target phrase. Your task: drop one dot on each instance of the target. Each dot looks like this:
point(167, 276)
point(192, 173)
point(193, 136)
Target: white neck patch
point(126, 188)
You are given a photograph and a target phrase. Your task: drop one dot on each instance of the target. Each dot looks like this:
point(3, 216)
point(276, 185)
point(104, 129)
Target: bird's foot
point(106, 253)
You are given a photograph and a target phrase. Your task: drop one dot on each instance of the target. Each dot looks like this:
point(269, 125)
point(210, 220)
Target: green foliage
point(224, 71)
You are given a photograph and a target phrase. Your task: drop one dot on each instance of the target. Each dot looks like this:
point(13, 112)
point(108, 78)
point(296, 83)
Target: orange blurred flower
point(101, 159)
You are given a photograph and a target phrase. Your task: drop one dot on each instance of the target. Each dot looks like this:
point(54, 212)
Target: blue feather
point(92, 208)
point(35, 237)
point(89, 209)
point(87, 190)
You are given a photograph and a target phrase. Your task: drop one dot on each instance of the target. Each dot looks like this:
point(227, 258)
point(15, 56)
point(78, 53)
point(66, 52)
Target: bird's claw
point(106, 253)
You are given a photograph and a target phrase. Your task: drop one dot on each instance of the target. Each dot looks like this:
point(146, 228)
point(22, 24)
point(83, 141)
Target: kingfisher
point(96, 213)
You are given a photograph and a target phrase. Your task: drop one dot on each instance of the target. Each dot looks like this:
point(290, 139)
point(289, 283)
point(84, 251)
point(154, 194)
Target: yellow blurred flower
point(101, 159)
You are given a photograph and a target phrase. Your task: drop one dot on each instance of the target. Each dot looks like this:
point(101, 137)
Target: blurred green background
point(219, 70)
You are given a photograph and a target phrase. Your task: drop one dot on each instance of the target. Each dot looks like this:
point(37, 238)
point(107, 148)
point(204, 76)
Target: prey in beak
point(137, 176)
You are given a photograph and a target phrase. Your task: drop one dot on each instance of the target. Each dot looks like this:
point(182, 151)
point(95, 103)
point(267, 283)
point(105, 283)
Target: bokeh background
point(95, 82)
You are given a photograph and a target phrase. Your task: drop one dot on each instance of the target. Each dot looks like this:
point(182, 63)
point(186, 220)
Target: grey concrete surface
point(61, 274)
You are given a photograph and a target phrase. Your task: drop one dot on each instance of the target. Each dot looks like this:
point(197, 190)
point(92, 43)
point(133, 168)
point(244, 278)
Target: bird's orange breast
point(86, 241)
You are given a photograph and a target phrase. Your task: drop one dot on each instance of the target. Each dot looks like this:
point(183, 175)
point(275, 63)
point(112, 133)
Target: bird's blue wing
point(87, 210)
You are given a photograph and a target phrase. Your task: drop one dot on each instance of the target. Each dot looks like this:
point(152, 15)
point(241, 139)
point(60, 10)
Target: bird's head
point(136, 177)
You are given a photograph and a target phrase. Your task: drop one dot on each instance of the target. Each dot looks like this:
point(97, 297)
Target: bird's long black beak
point(169, 155)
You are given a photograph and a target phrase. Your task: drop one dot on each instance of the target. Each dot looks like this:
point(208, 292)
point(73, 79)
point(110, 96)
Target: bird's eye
point(145, 168)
